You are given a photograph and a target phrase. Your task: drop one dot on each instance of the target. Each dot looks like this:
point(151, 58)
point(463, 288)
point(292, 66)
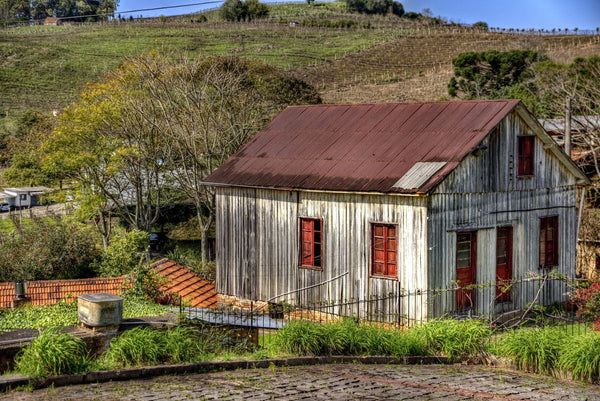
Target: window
point(384, 248)
point(549, 241)
point(23, 197)
point(525, 162)
point(310, 243)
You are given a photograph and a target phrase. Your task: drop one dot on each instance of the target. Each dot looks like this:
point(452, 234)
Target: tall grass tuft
point(148, 346)
point(532, 349)
point(53, 353)
point(347, 337)
point(455, 339)
point(581, 356)
point(299, 337)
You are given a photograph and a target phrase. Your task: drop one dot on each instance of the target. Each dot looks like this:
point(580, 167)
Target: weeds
point(581, 356)
point(455, 339)
point(532, 349)
point(53, 353)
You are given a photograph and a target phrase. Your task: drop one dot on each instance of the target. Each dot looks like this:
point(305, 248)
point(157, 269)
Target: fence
point(539, 300)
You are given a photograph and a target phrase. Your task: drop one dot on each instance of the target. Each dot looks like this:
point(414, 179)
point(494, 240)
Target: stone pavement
point(331, 382)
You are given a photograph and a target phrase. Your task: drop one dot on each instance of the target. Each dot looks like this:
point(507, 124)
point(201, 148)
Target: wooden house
point(353, 202)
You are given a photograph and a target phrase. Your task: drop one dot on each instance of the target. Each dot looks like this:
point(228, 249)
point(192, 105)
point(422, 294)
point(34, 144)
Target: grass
point(53, 353)
point(581, 357)
point(45, 67)
point(347, 338)
point(532, 349)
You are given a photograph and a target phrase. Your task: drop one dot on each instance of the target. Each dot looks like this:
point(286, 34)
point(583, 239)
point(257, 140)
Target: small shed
point(359, 201)
point(24, 197)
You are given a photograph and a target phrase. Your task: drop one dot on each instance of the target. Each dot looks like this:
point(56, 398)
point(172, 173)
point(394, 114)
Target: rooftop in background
point(196, 291)
point(181, 281)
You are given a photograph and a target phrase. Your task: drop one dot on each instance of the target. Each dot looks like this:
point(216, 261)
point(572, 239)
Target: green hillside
point(375, 59)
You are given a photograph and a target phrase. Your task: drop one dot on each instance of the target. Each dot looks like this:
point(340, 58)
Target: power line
point(130, 11)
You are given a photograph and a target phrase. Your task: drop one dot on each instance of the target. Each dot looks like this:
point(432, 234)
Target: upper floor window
point(384, 248)
point(549, 241)
point(310, 243)
point(525, 156)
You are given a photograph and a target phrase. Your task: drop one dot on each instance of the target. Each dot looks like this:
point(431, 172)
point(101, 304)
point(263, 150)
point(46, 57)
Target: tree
point(484, 74)
point(100, 9)
point(111, 144)
point(243, 10)
point(211, 107)
point(157, 122)
point(381, 7)
point(481, 25)
point(22, 152)
point(11, 10)
point(579, 81)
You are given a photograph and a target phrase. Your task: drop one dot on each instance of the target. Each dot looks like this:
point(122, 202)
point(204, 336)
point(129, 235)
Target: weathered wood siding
point(484, 193)
point(258, 244)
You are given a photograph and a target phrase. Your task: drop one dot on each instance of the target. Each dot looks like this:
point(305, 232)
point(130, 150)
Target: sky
point(522, 14)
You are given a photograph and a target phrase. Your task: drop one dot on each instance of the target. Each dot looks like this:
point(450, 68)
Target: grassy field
point(45, 67)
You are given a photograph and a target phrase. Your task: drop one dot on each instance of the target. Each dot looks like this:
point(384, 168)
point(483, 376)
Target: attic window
point(526, 152)
point(310, 243)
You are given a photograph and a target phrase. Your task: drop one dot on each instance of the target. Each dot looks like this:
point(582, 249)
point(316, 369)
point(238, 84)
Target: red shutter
point(310, 242)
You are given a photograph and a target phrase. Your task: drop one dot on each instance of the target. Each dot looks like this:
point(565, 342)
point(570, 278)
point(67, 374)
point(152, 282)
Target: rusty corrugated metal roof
point(366, 148)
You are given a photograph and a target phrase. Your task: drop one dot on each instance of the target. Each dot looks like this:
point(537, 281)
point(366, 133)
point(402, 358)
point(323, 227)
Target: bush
point(121, 256)
point(455, 339)
point(533, 349)
point(47, 249)
point(53, 353)
point(581, 356)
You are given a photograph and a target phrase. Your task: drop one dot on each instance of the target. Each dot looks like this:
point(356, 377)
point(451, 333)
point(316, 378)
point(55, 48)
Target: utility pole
point(568, 127)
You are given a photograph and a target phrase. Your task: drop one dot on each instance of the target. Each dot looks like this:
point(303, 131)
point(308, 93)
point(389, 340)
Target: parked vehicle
point(157, 240)
point(4, 207)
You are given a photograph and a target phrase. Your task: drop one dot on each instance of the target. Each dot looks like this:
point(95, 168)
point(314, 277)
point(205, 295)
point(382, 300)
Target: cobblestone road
point(330, 382)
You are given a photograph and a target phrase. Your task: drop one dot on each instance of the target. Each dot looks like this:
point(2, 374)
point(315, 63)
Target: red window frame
point(549, 241)
point(525, 156)
point(384, 250)
point(311, 243)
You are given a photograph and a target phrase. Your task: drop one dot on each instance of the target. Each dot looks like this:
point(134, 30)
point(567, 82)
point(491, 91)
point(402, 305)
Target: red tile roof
point(195, 290)
point(200, 293)
point(365, 147)
point(51, 291)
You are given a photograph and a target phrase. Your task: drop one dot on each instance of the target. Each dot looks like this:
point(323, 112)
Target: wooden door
point(466, 258)
point(504, 246)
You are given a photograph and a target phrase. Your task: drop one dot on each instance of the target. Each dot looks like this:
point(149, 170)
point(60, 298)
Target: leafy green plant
point(455, 339)
point(299, 337)
point(53, 353)
point(64, 313)
point(122, 256)
point(532, 349)
point(581, 357)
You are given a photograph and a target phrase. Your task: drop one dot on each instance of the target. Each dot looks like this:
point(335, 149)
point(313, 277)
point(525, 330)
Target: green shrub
point(455, 339)
point(532, 349)
point(121, 256)
point(581, 356)
point(53, 353)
